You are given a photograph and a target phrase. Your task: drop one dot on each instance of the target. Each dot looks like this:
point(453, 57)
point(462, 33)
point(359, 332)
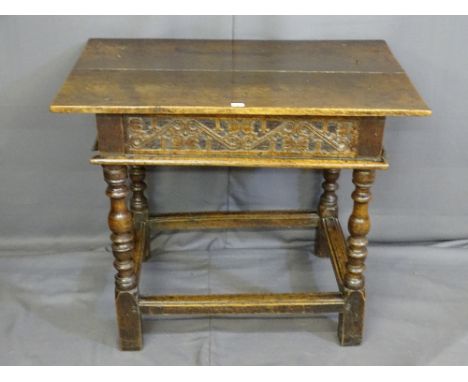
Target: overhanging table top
point(148, 76)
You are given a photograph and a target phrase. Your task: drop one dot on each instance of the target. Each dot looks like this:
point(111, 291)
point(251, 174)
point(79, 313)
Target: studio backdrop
point(50, 193)
point(56, 277)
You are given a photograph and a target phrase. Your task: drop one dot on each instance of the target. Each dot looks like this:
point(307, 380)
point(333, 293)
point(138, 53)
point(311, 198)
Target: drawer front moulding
point(264, 137)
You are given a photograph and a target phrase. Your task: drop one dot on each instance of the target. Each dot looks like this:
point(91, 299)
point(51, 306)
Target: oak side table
point(299, 104)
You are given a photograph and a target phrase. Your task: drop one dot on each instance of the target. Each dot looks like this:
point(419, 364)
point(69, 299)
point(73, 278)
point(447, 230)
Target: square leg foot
point(129, 321)
point(351, 320)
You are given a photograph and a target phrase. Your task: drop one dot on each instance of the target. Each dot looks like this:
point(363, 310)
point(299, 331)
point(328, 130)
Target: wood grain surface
point(358, 78)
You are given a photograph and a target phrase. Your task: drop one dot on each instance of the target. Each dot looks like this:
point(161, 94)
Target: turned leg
point(350, 325)
point(328, 205)
point(126, 289)
point(138, 202)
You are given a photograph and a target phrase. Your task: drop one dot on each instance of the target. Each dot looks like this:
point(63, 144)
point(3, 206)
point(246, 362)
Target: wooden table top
point(148, 76)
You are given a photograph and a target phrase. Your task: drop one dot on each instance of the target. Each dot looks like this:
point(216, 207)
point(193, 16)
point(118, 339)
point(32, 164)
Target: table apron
point(254, 137)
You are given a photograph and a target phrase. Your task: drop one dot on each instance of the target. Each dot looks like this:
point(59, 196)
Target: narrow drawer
point(241, 137)
point(253, 136)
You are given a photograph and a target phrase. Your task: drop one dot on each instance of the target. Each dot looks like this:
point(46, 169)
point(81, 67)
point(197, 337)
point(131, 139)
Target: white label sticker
point(237, 104)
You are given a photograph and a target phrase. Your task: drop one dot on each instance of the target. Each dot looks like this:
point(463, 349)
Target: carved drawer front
point(252, 136)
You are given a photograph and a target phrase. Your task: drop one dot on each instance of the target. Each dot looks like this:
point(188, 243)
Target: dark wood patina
point(295, 104)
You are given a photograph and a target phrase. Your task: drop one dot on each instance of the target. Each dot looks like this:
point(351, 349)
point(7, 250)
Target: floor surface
point(57, 308)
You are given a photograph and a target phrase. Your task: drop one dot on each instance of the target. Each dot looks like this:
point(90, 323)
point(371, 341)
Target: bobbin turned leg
point(139, 203)
point(126, 289)
point(350, 326)
point(328, 206)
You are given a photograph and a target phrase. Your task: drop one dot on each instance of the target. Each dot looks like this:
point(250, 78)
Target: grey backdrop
point(50, 191)
point(56, 281)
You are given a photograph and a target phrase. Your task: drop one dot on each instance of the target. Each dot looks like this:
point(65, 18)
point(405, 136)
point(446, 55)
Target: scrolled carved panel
point(253, 136)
